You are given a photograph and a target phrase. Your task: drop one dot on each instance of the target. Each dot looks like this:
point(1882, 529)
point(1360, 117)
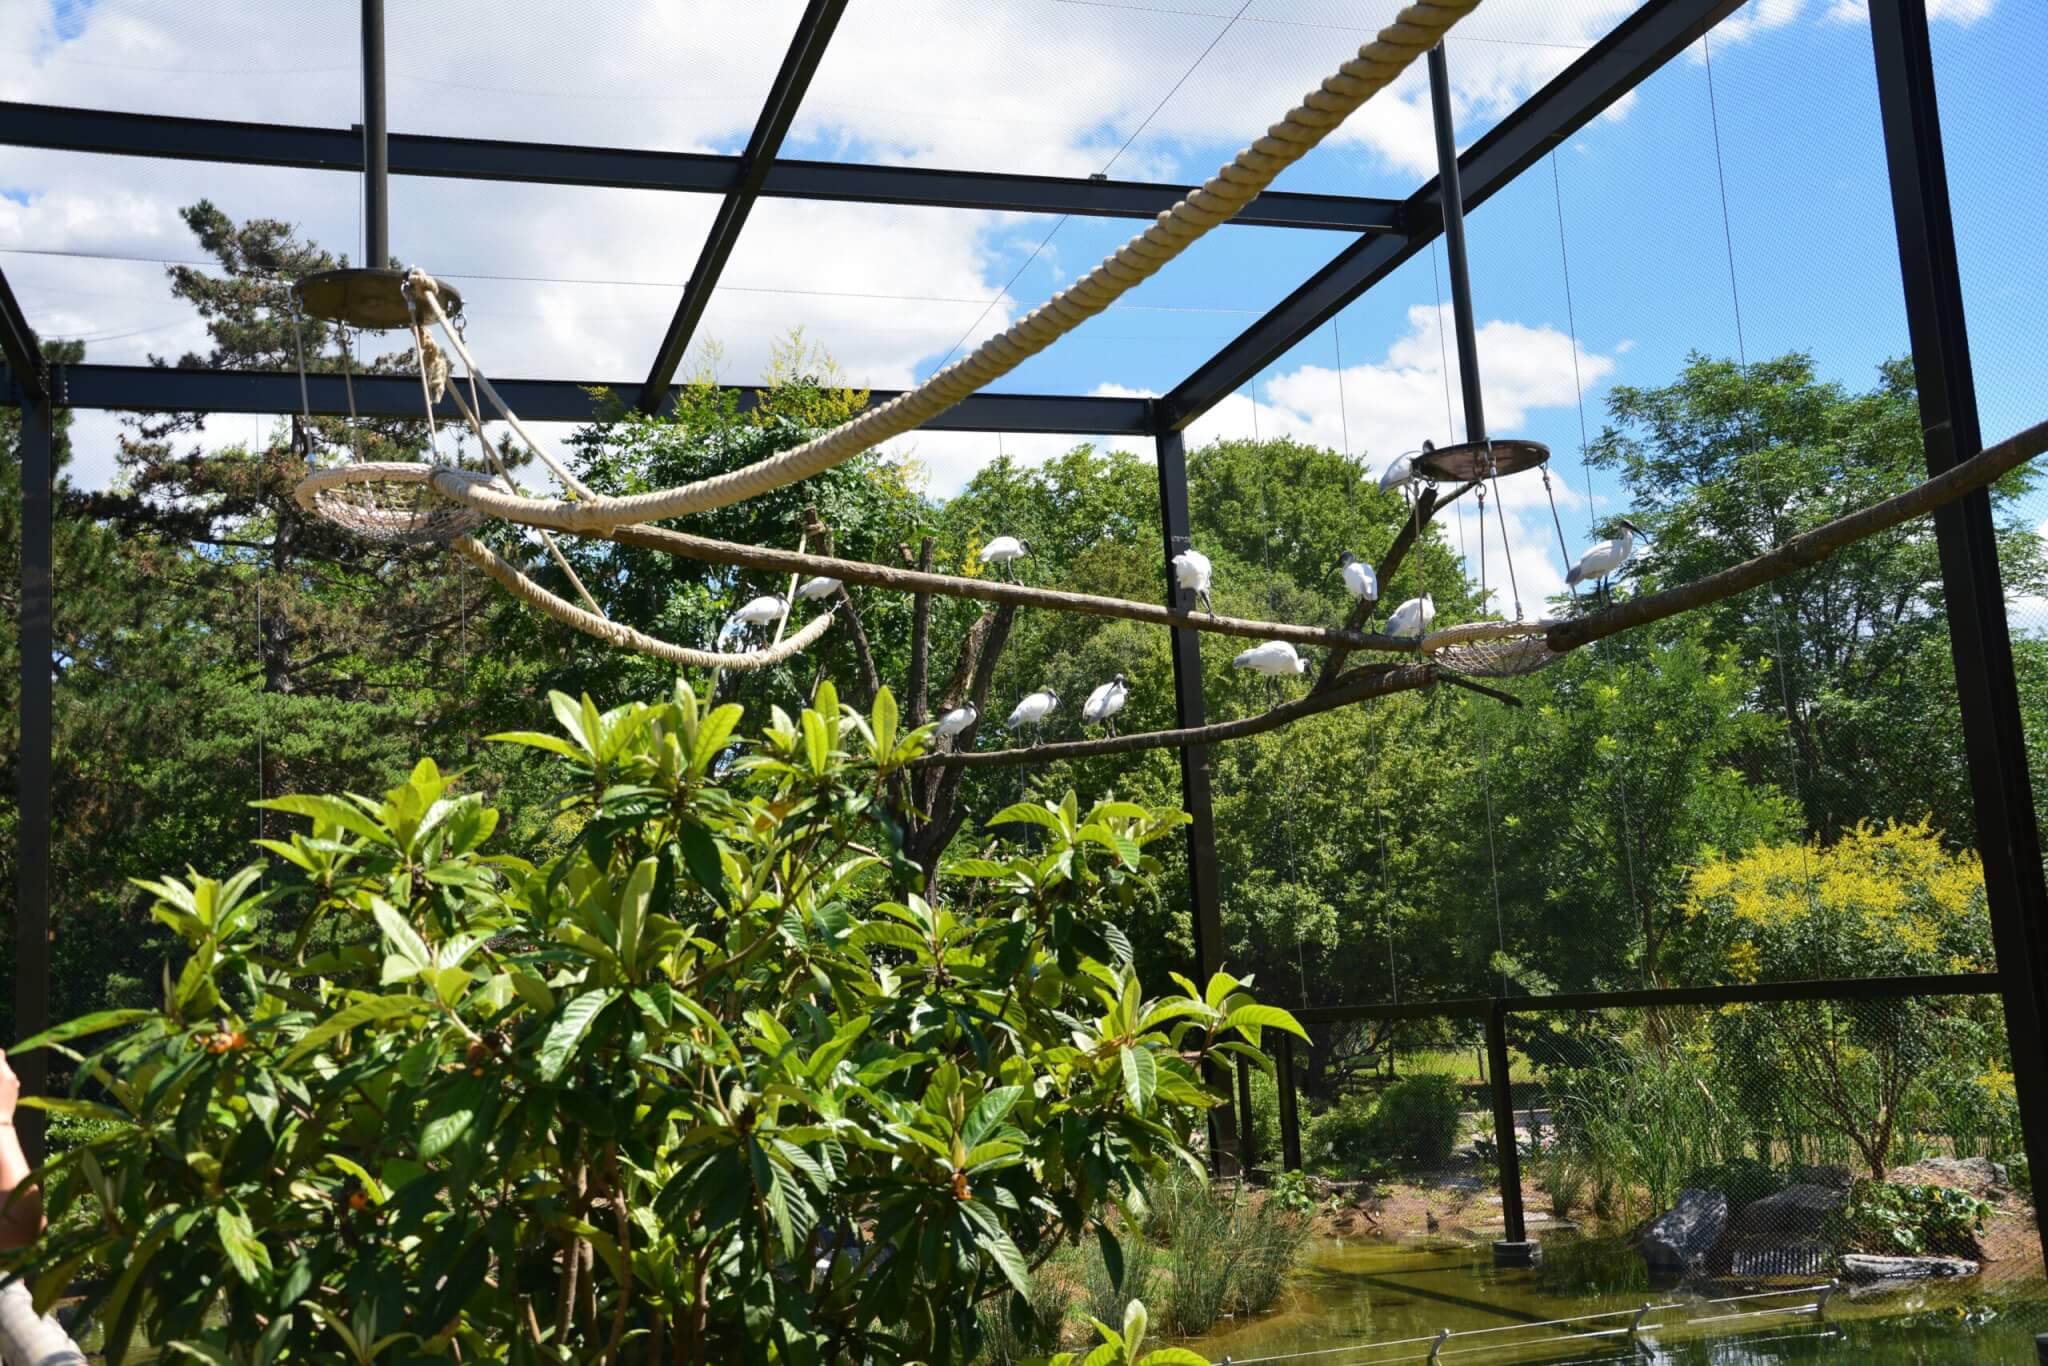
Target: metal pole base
point(1507, 1253)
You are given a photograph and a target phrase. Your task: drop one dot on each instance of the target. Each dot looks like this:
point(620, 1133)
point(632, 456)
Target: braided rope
point(624, 637)
point(1415, 30)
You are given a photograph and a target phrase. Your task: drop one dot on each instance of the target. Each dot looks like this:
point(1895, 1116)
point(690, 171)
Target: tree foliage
point(701, 1080)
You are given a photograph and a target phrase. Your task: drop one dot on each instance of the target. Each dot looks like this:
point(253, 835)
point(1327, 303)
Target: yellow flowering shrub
point(1880, 901)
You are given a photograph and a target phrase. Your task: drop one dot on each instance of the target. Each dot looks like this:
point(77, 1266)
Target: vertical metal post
point(32, 767)
point(1188, 709)
point(1453, 198)
point(376, 139)
point(1290, 1116)
point(1514, 1247)
point(1987, 692)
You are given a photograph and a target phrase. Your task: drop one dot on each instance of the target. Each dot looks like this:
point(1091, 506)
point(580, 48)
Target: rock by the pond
point(1978, 1175)
point(1681, 1236)
point(1859, 1266)
point(1795, 1212)
point(1837, 1178)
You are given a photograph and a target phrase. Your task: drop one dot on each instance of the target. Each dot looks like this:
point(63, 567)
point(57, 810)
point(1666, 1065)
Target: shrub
point(698, 1080)
point(1342, 1138)
point(1884, 1216)
point(1744, 1180)
point(1417, 1119)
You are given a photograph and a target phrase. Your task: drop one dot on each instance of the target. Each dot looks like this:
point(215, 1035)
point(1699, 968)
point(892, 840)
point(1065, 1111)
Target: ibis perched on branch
point(1191, 571)
point(765, 610)
point(1603, 559)
point(1105, 702)
point(953, 722)
point(1005, 551)
point(1359, 580)
point(1273, 659)
point(1412, 618)
point(810, 590)
point(1033, 710)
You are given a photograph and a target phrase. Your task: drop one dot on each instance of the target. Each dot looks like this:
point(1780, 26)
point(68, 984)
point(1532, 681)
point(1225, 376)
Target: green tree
point(697, 1086)
point(1728, 460)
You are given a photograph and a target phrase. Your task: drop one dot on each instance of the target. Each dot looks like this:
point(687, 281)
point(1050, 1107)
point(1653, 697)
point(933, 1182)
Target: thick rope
point(1418, 28)
point(625, 637)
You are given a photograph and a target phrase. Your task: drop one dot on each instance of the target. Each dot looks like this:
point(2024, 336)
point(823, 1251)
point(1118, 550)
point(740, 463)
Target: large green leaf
point(245, 1251)
point(1141, 1078)
point(376, 1010)
point(1247, 1018)
point(567, 1031)
point(85, 1024)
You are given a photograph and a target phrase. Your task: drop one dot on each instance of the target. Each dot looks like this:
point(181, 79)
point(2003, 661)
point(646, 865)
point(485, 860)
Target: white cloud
point(1954, 11)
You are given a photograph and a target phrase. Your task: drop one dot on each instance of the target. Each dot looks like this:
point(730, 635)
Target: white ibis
point(1412, 618)
point(1606, 557)
point(1005, 550)
point(953, 722)
point(1105, 702)
point(1399, 473)
point(1359, 580)
point(1273, 659)
point(765, 610)
point(1191, 570)
point(1033, 710)
point(810, 590)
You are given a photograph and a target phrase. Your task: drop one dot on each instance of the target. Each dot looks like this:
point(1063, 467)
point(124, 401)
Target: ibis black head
point(1346, 560)
point(1427, 445)
point(1053, 695)
point(1633, 527)
point(1121, 682)
point(1025, 544)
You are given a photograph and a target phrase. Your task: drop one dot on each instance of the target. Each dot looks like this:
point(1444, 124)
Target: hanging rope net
point(389, 502)
point(1492, 649)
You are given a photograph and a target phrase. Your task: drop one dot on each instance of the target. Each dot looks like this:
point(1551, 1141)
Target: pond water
point(1352, 1294)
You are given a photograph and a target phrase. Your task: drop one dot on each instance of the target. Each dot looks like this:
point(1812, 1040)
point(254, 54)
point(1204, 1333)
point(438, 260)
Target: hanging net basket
point(1474, 460)
point(1492, 649)
point(390, 502)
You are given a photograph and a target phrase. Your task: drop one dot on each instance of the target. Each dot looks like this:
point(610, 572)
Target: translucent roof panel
point(196, 58)
point(562, 283)
point(678, 78)
point(617, 73)
point(86, 240)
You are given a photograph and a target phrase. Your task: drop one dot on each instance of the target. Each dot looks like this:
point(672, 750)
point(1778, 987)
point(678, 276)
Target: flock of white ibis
point(1192, 572)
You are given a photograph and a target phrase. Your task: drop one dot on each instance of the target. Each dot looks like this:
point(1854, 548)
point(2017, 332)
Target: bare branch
point(871, 677)
point(1373, 680)
point(1426, 507)
point(921, 644)
point(1808, 547)
point(771, 560)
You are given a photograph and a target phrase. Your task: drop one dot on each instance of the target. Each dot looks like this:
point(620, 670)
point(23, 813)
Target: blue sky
point(581, 283)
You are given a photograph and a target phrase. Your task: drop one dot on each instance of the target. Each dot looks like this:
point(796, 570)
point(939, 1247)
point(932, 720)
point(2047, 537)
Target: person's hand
point(10, 1090)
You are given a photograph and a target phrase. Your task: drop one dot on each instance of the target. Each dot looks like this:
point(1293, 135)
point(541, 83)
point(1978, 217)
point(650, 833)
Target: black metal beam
point(376, 142)
point(1619, 62)
point(19, 349)
point(1205, 910)
point(107, 133)
point(153, 388)
point(1507, 1152)
point(778, 111)
point(1451, 197)
point(1987, 691)
point(1740, 993)
point(33, 762)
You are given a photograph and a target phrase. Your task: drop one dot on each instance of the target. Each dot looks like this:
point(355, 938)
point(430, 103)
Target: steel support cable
point(1418, 28)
